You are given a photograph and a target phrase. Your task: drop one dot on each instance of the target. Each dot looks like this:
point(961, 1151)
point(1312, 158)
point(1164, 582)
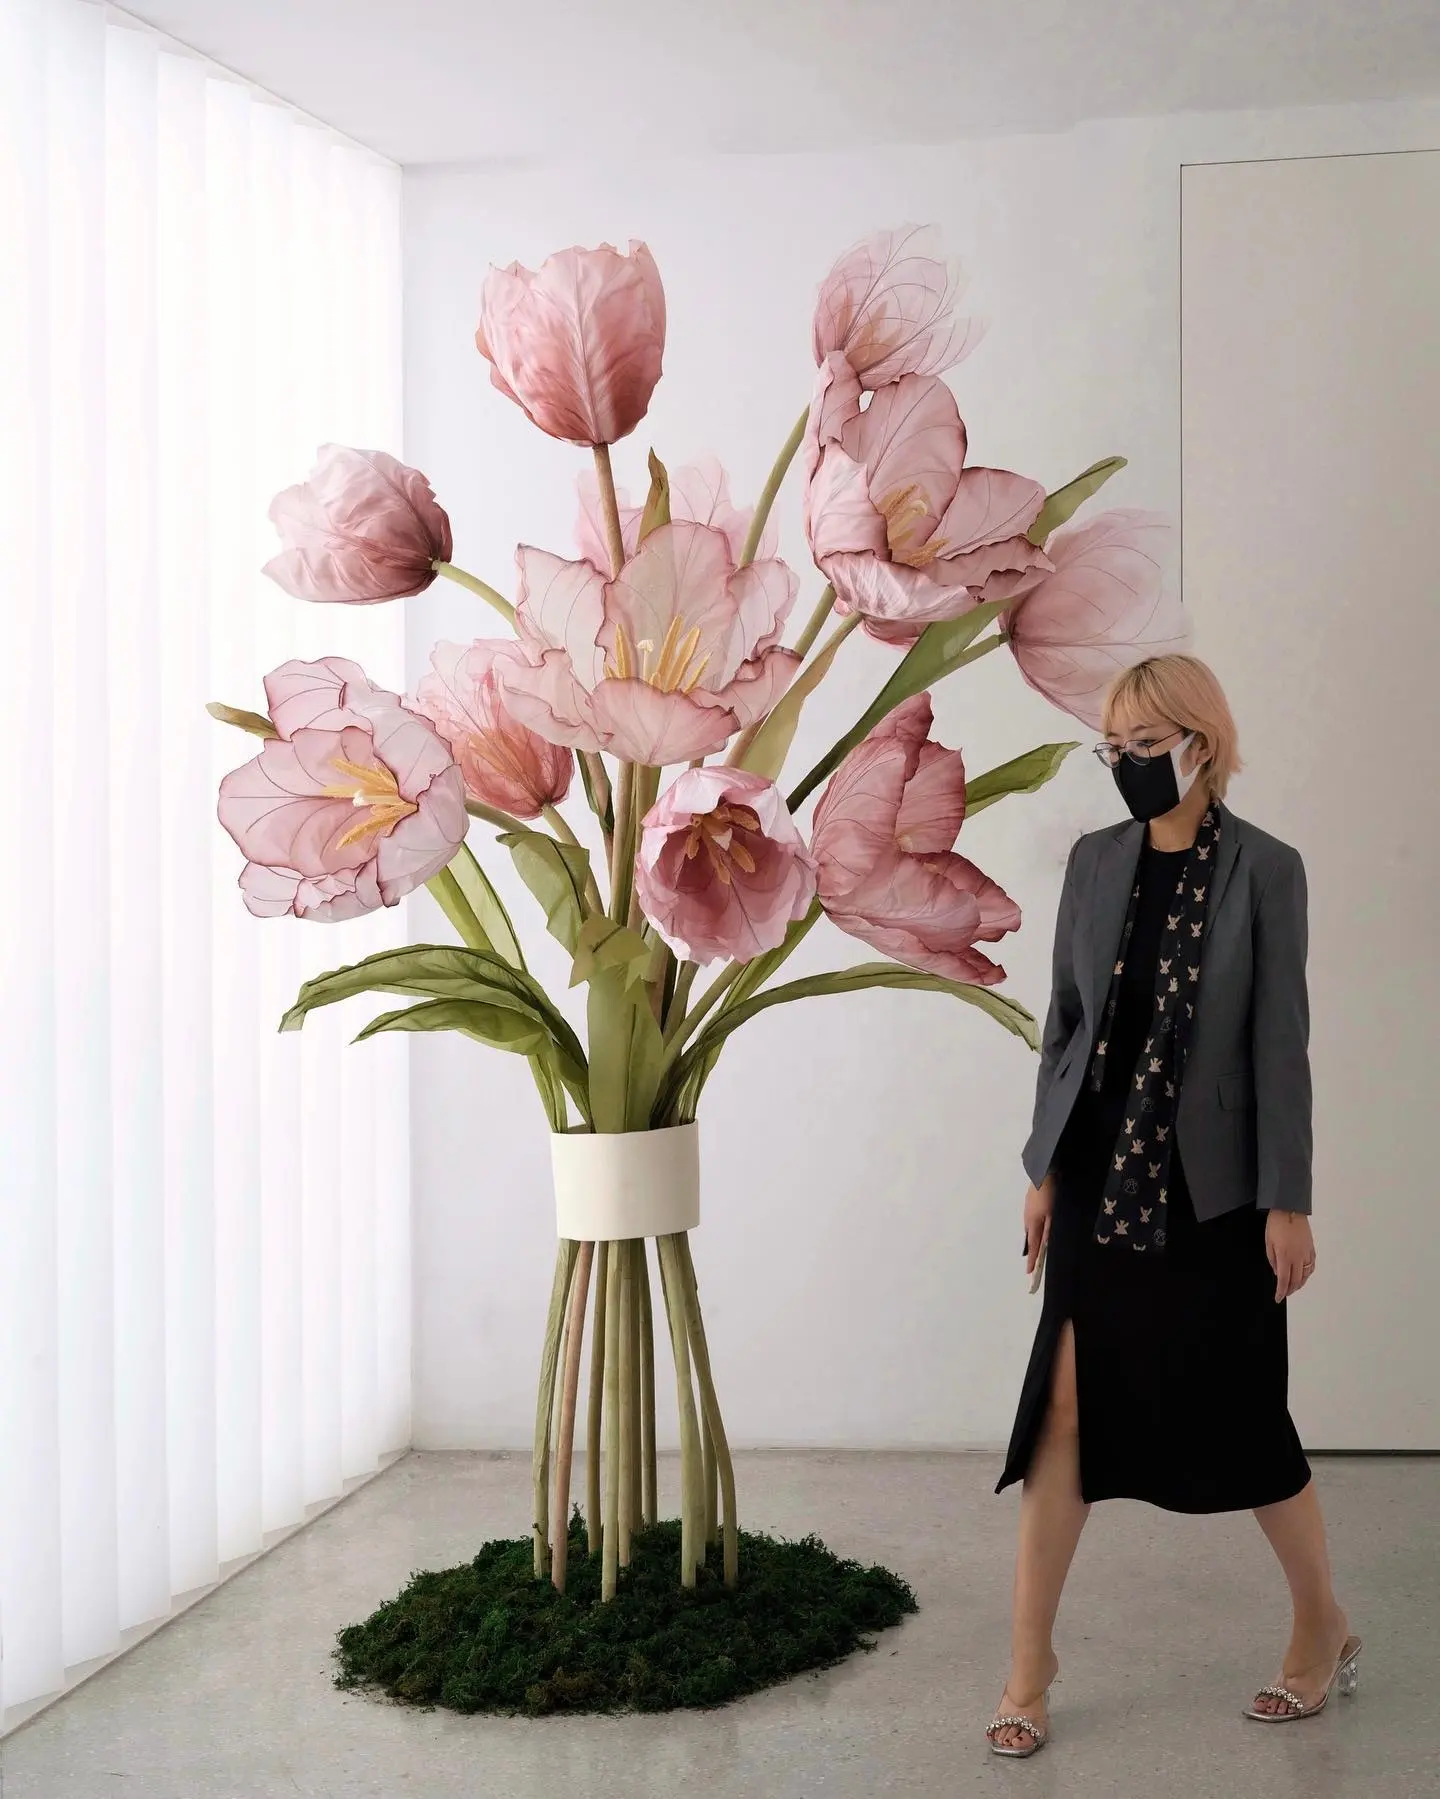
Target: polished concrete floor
point(1168, 1624)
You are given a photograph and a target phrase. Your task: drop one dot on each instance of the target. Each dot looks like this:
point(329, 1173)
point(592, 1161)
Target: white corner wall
point(861, 1157)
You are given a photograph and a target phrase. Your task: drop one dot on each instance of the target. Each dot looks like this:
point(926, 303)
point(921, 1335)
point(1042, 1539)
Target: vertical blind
point(204, 1255)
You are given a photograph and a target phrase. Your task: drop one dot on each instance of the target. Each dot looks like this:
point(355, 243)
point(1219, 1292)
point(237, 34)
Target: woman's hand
point(1039, 1203)
point(1291, 1249)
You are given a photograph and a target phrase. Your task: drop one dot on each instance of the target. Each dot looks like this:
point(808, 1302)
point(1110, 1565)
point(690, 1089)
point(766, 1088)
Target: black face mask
point(1151, 789)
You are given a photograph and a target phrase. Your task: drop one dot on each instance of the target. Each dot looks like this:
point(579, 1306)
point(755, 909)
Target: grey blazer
point(1244, 1123)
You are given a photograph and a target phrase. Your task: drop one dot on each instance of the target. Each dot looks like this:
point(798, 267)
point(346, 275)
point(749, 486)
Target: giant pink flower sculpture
point(504, 763)
point(722, 870)
point(905, 531)
point(660, 665)
point(889, 309)
point(363, 528)
point(1101, 609)
point(356, 804)
point(882, 840)
point(699, 493)
point(577, 344)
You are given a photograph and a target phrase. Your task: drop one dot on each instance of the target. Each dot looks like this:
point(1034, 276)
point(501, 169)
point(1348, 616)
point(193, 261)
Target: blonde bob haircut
point(1183, 690)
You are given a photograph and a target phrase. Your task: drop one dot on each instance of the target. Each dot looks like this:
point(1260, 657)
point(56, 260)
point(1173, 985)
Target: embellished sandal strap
point(1015, 1723)
point(1285, 1694)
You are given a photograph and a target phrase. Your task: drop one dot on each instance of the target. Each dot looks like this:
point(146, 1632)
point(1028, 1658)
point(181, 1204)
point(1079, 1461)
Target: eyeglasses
point(1139, 750)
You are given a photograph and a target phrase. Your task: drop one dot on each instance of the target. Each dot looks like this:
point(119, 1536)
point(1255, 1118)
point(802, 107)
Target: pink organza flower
point(905, 531)
point(722, 870)
point(1101, 609)
point(889, 309)
point(354, 805)
point(362, 528)
point(882, 840)
point(699, 493)
point(664, 663)
point(504, 763)
point(577, 344)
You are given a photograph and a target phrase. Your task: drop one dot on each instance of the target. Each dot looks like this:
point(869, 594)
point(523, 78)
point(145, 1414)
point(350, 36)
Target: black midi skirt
point(1181, 1360)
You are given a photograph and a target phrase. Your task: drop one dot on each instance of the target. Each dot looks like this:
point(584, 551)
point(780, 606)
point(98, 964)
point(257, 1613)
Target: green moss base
point(489, 1637)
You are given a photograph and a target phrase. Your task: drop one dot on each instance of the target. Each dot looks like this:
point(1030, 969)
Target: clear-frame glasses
point(1138, 750)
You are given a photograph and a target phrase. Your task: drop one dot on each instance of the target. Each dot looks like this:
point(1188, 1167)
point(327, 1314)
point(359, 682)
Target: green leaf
point(938, 651)
point(604, 944)
point(255, 723)
point(1067, 500)
point(771, 743)
point(846, 980)
point(657, 501)
point(557, 874)
point(626, 1052)
point(491, 1025)
point(488, 907)
point(1026, 774)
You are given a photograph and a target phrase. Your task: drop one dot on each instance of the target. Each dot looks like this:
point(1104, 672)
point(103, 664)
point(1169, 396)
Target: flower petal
point(911, 440)
point(890, 309)
point(561, 606)
point(894, 592)
point(933, 807)
point(639, 723)
point(990, 504)
point(324, 695)
point(361, 529)
point(676, 585)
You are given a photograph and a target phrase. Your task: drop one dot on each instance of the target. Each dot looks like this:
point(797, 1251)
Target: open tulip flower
point(505, 765)
point(660, 665)
point(661, 644)
point(883, 841)
point(362, 528)
point(904, 530)
point(578, 343)
point(722, 870)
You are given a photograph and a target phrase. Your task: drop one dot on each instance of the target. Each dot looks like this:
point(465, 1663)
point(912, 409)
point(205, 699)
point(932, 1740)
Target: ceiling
point(481, 80)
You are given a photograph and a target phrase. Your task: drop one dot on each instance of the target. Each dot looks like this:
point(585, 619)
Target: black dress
point(1181, 1361)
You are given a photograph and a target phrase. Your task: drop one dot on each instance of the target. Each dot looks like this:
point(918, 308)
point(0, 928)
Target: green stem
point(610, 508)
point(594, 1526)
point(545, 1402)
point(492, 815)
point(649, 1498)
point(772, 487)
point(824, 606)
point(622, 860)
point(596, 783)
point(635, 1406)
point(614, 1317)
point(684, 981)
point(647, 789)
point(684, 1025)
point(711, 1404)
point(561, 827)
point(445, 890)
point(629, 1416)
point(565, 1437)
point(476, 585)
point(692, 1519)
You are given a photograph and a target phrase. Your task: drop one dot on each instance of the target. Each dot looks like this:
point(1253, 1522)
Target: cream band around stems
point(614, 1185)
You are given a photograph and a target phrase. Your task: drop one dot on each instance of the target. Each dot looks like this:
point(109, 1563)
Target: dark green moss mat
point(489, 1637)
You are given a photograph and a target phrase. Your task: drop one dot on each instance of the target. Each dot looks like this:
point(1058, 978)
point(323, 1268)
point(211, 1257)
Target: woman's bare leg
point(1052, 1515)
point(1296, 1531)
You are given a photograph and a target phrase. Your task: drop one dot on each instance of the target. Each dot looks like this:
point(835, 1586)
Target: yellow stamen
point(371, 789)
point(667, 650)
point(695, 673)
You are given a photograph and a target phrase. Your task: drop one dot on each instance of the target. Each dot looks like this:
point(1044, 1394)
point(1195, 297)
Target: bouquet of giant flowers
point(655, 662)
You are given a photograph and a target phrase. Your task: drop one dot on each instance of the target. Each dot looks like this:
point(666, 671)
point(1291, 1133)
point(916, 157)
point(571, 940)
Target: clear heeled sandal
point(1346, 1677)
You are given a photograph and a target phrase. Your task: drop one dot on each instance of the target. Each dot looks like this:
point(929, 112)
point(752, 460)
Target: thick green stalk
point(476, 585)
point(614, 1317)
point(629, 1387)
point(649, 1498)
point(610, 508)
point(724, 1464)
point(647, 788)
point(692, 1507)
point(569, 1395)
point(492, 815)
point(637, 1370)
point(772, 487)
point(622, 861)
point(824, 606)
point(684, 1026)
point(545, 1402)
point(594, 1531)
point(680, 998)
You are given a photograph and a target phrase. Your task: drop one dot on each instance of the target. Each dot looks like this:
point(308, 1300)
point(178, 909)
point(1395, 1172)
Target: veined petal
point(544, 696)
point(890, 308)
point(673, 604)
point(758, 685)
point(911, 440)
point(639, 723)
point(892, 591)
point(840, 515)
point(932, 809)
point(561, 606)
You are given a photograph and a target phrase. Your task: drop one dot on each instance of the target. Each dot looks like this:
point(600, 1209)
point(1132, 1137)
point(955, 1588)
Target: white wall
point(859, 1255)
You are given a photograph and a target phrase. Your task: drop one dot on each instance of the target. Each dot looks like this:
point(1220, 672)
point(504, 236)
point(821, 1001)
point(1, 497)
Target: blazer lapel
point(1114, 882)
point(1224, 863)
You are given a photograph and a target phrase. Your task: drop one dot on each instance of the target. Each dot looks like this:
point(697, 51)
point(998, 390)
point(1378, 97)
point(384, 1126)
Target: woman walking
point(1170, 1162)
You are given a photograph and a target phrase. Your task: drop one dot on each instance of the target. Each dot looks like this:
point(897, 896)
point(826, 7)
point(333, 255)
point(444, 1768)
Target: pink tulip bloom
point(882, 838)
point(905, 531)
point(503, 763)
point(664, 663)
point(1101, 609)
point(356, 804)
point(889, 309)
point(578, 344)
point(362, 528)
point(699, 493)
point(722, 871)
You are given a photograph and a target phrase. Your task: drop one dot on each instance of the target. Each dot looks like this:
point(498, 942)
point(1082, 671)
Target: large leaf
point(626, 1052)
point(1066, 501)
point(557, 874)
point(604, 944)
point(938, 651)
point(491, 1025)
point(1026, 774)
point(845, 980)
point(771, 743)
point(486, 904)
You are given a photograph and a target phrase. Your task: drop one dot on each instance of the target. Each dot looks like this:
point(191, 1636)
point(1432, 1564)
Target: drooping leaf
point(1066, 501)
point(657, 501)
point(938, 651)
point(606, 813)
point(255, 723)
point(1025, 774)
point(626, 1052)
point(846, 980)
point(604, 944)
point(771, 743)
point(557, 874)
point(491, 1025)
point(488, 907)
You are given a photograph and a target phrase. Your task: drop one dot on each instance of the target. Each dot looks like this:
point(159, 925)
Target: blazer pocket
point(1237, 1092)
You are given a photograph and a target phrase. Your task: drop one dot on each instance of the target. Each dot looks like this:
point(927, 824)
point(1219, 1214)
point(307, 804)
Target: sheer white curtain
point(204, 1253)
